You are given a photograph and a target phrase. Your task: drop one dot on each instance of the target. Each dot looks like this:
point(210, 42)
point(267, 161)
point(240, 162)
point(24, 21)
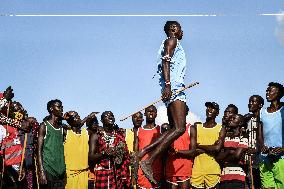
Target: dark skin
point(176, 110)
point(211, 114)
point(108, 121)
point(195, 149)
point(75, 122)
point(56, 115)
point(232, 155)
point(137, 120)
point(229, 111)
point(273, 95)
point(165, 127)
point(186, 154)
point(16, 107)
point(193, 144)
point(151, 115)
point(255, 106)
point(18, 112)
point(8, 93)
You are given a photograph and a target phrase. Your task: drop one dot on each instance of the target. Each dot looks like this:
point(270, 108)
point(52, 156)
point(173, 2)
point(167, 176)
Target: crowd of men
point(244, 151)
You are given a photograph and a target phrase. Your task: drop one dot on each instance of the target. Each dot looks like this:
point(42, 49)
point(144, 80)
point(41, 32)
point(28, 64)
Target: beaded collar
point(109, 138)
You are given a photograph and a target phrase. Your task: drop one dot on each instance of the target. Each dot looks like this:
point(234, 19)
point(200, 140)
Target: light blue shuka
point(273, 128)
point(177, 71)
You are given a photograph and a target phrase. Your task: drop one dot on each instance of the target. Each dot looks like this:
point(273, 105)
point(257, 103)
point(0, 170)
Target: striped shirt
point(234, 170)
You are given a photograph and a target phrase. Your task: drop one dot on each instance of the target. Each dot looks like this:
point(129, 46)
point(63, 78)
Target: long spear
point(37, 182)
point(160, 99)
point(23, 157)
point(251, 173)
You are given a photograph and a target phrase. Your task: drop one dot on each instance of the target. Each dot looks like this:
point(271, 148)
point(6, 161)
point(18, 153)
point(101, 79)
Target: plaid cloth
point(107, 170)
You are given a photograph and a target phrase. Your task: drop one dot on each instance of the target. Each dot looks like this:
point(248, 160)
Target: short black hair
point(91, 122)
point(138, 113)
point(168, 25)
point(259, 98)
point(51, 103)
point(151, 106)
point(234, 107)
point(243, 120)
point(104, 113)
point(279, 86)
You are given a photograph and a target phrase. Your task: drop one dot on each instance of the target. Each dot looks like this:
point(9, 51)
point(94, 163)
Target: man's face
point(108, 119)
point(254, 104)
point(94, 127)
point(235, 121)
point(272, 93)
point(151, 114)
point(179, 32)
point(75, 119)
point(137, 119)
point(57, 109)
point(211, 112)
point(228, 113)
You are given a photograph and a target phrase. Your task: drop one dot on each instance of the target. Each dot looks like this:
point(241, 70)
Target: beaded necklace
point(109, 138)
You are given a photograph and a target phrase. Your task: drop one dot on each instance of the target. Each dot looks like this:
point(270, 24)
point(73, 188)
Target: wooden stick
point(251, 174)
point(37, 183)
point(23, 157)
point(160, 99)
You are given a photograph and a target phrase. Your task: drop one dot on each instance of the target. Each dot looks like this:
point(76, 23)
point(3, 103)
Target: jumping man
point(171, 68)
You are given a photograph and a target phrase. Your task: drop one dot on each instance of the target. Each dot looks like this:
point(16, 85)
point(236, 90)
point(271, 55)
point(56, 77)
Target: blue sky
point(107, 63)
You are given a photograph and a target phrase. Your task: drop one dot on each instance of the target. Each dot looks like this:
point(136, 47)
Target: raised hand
point(8, 93)
point(167, 93)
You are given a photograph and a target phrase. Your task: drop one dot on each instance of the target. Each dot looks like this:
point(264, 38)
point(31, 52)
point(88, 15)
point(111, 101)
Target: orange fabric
point(146, 137)
point(92, 175)
point(180, 167)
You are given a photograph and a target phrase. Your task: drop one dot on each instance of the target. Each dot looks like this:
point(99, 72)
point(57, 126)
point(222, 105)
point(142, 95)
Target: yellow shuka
point(206, 170)
point(76, 149)
point(129, 139)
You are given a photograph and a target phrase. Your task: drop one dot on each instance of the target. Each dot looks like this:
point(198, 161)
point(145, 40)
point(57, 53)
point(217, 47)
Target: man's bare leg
point(177, 110)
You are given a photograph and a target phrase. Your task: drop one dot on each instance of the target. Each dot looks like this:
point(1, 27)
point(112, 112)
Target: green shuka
point(53, 151)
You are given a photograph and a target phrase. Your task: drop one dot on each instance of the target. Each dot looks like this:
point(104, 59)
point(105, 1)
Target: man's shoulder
point(172, 41)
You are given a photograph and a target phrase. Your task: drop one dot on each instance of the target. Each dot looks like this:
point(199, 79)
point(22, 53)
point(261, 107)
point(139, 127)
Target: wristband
point(167, 58)
point(167, 83)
